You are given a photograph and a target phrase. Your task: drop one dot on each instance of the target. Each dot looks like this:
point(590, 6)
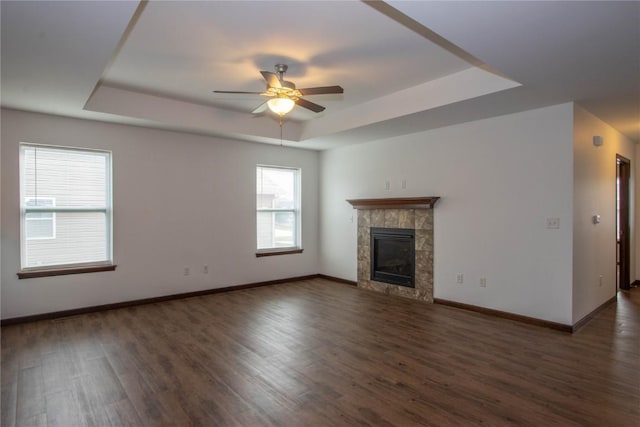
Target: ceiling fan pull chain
point(281, 131)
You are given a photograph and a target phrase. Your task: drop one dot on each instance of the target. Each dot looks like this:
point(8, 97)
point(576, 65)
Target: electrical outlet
point(387, 185)
point(600, 281)
point(205, 269)
point(404, 184)
point(187, 271)
point(553, 223)
point(460, 278)
point(483, 282)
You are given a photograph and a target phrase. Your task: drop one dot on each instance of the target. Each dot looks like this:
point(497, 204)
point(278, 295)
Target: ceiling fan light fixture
point(280, 106)
point(284, 95)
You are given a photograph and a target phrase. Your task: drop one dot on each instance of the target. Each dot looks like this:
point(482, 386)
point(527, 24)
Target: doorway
point(623, 236)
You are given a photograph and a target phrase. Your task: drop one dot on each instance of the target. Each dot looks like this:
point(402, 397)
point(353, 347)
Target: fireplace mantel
point(395, 203)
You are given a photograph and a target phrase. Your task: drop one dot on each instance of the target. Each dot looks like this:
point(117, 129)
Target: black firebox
point(393, 256)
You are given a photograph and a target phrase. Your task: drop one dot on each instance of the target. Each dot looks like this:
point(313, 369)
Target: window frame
point(107, 209)
point(296, 210)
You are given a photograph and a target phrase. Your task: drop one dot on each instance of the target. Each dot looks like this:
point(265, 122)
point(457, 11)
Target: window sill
point(62, 271)
point(272, 252)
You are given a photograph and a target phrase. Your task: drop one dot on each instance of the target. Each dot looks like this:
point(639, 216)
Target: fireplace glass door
point(393, 256)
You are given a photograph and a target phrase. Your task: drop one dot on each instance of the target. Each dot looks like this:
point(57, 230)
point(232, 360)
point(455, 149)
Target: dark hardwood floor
point(319, 353)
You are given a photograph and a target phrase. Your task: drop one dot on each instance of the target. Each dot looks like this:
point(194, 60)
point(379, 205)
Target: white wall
point(594, 246)
point(1, 226)
point(636, 217)
point(179, 200)
point(191, 200)
point(499, 180)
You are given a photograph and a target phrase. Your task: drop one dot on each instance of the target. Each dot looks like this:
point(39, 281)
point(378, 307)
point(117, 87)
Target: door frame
point(623, 245)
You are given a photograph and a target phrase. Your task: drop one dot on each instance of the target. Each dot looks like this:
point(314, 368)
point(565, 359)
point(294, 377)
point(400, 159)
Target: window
point(40, 225)
point(278, 209)
point(66, 207)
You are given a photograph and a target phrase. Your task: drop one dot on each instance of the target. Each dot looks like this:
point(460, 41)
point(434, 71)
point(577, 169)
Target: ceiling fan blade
point(237, 92)
point(260, 108)
point(321, 90)
point(271, 78)
point(309, 105)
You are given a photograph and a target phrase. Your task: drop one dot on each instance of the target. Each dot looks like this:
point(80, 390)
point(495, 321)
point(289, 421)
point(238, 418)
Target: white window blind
point(40, 225)
point(65, 206)
point(278, 207)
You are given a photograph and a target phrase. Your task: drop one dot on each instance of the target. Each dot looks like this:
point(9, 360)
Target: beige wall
point(594, 245)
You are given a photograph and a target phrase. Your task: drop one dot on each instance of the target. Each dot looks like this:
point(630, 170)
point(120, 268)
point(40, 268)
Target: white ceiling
point(405, 66)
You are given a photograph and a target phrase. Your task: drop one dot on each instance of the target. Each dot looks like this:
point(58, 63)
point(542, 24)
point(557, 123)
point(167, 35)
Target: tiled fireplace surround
point(410, 213)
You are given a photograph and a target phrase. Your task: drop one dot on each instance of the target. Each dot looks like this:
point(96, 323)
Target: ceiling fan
point(284, 94)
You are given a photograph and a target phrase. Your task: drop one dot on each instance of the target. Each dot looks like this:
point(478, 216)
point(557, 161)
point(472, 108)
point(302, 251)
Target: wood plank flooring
point(318, 353)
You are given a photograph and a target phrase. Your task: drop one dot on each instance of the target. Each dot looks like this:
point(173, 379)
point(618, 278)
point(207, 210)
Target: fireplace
point(396, 218)
point(393, 256)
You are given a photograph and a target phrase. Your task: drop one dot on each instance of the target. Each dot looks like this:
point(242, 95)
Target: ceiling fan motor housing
point(287, 84)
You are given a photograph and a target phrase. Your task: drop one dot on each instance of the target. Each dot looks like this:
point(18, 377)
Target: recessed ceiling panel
point(185, 50)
